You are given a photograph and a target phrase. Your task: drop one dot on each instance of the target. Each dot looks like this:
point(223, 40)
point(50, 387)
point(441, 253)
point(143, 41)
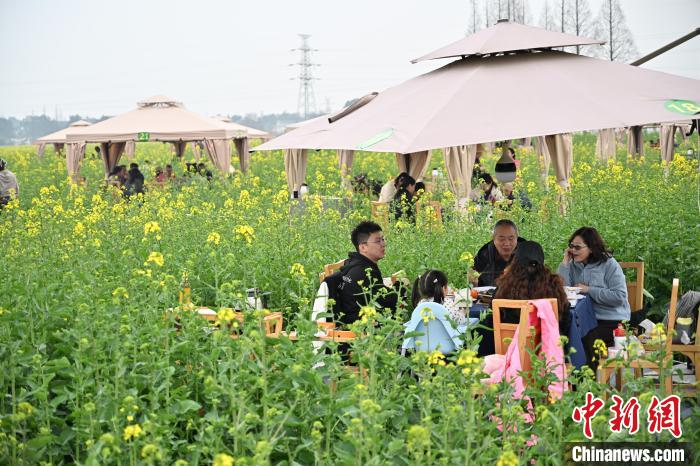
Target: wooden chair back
point(635, 289)
point(380, 212)
point(503, 331)
point(328, 269)
point(671, 318)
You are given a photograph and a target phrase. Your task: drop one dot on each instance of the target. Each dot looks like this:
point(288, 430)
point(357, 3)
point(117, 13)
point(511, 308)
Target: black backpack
point(335, 284)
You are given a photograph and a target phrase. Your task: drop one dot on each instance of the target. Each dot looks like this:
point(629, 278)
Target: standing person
point(589, 265)
point(493, 256)
point(362, 281)
point(9, 189)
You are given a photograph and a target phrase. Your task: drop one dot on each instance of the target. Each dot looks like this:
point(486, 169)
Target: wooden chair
point(635, 289)
point(380, 212)
point(608, 366)
point(328, 269)
point(692, 352)
point(503, 331)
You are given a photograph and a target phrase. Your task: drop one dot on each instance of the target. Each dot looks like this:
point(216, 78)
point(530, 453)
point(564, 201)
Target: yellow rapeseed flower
point(156, 258)
point(298, 270)
point(507, 458)
point(214, 238)
point(222, 459)
point(132, 432)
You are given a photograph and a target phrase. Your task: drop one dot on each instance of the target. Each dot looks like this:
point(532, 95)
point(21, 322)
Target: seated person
point(527, 277)
point(588, 264)
point(429, 300)
point(432, 287)
point(169, 174)
point(160, 177)
point(489, 193)
point(403, 205)
point(493, 256)
point(204, 171)
point(362, 280)
point(389, 189)
point(510, 197)
point(418, 192)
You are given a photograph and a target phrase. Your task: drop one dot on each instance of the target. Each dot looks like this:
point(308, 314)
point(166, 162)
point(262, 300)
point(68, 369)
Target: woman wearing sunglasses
point(589, 265)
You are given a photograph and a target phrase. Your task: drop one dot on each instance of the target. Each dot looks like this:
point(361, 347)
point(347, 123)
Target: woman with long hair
point(589, 265)
point(527, 277)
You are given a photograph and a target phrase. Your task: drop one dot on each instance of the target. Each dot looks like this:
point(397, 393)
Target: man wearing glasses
point(362, 280)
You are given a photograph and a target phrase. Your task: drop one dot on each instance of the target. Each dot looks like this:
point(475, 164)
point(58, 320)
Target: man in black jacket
point(493, 257)
point(362, 280)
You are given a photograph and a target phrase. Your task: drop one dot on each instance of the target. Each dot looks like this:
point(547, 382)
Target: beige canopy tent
point(501, 96)
point(242, 143)
point(58, 138)
point(158, 118)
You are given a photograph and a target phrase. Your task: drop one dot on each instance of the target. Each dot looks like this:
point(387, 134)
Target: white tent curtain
point(459, 163)
point(543, 157)
point(345, 159)
point(606, 146)
point(635, 141)
point(561, 153)
point(130, 150)
point(219, 151)
point(40, 148)
point(111, 153)
point(74, 155)
point(243, 153)
point(179, 147)
point(415, 163)
point(295, 167)
point(666, 141)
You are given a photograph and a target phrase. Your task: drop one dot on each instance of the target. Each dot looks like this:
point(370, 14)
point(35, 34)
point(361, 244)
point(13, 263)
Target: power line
point(307, 100)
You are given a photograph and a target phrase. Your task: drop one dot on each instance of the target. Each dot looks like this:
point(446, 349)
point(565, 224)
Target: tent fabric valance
point(606, 144)
point(295, 167)
point(75, 153)
point(219, 151)
point(414, 164)
point(635, 141)
point(560, 149)
point(459, 163)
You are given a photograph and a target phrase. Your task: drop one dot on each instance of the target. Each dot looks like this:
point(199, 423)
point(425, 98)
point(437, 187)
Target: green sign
point(684, 107)
point(379, 137)
point(144, 136)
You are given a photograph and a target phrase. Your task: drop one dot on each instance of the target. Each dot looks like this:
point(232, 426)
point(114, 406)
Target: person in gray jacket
point(589, 265)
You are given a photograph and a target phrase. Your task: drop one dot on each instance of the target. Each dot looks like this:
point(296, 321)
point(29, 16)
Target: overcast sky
point(92, 57)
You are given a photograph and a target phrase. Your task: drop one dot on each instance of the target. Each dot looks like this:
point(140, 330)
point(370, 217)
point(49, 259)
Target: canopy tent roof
point(500, 97)
point(299, 124)
point(158, 118)
point(503, 37)
point(59, 137)
point(247, 130)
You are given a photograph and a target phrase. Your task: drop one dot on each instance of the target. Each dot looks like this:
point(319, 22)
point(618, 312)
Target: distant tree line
point(15, 131)
point(568, 16)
